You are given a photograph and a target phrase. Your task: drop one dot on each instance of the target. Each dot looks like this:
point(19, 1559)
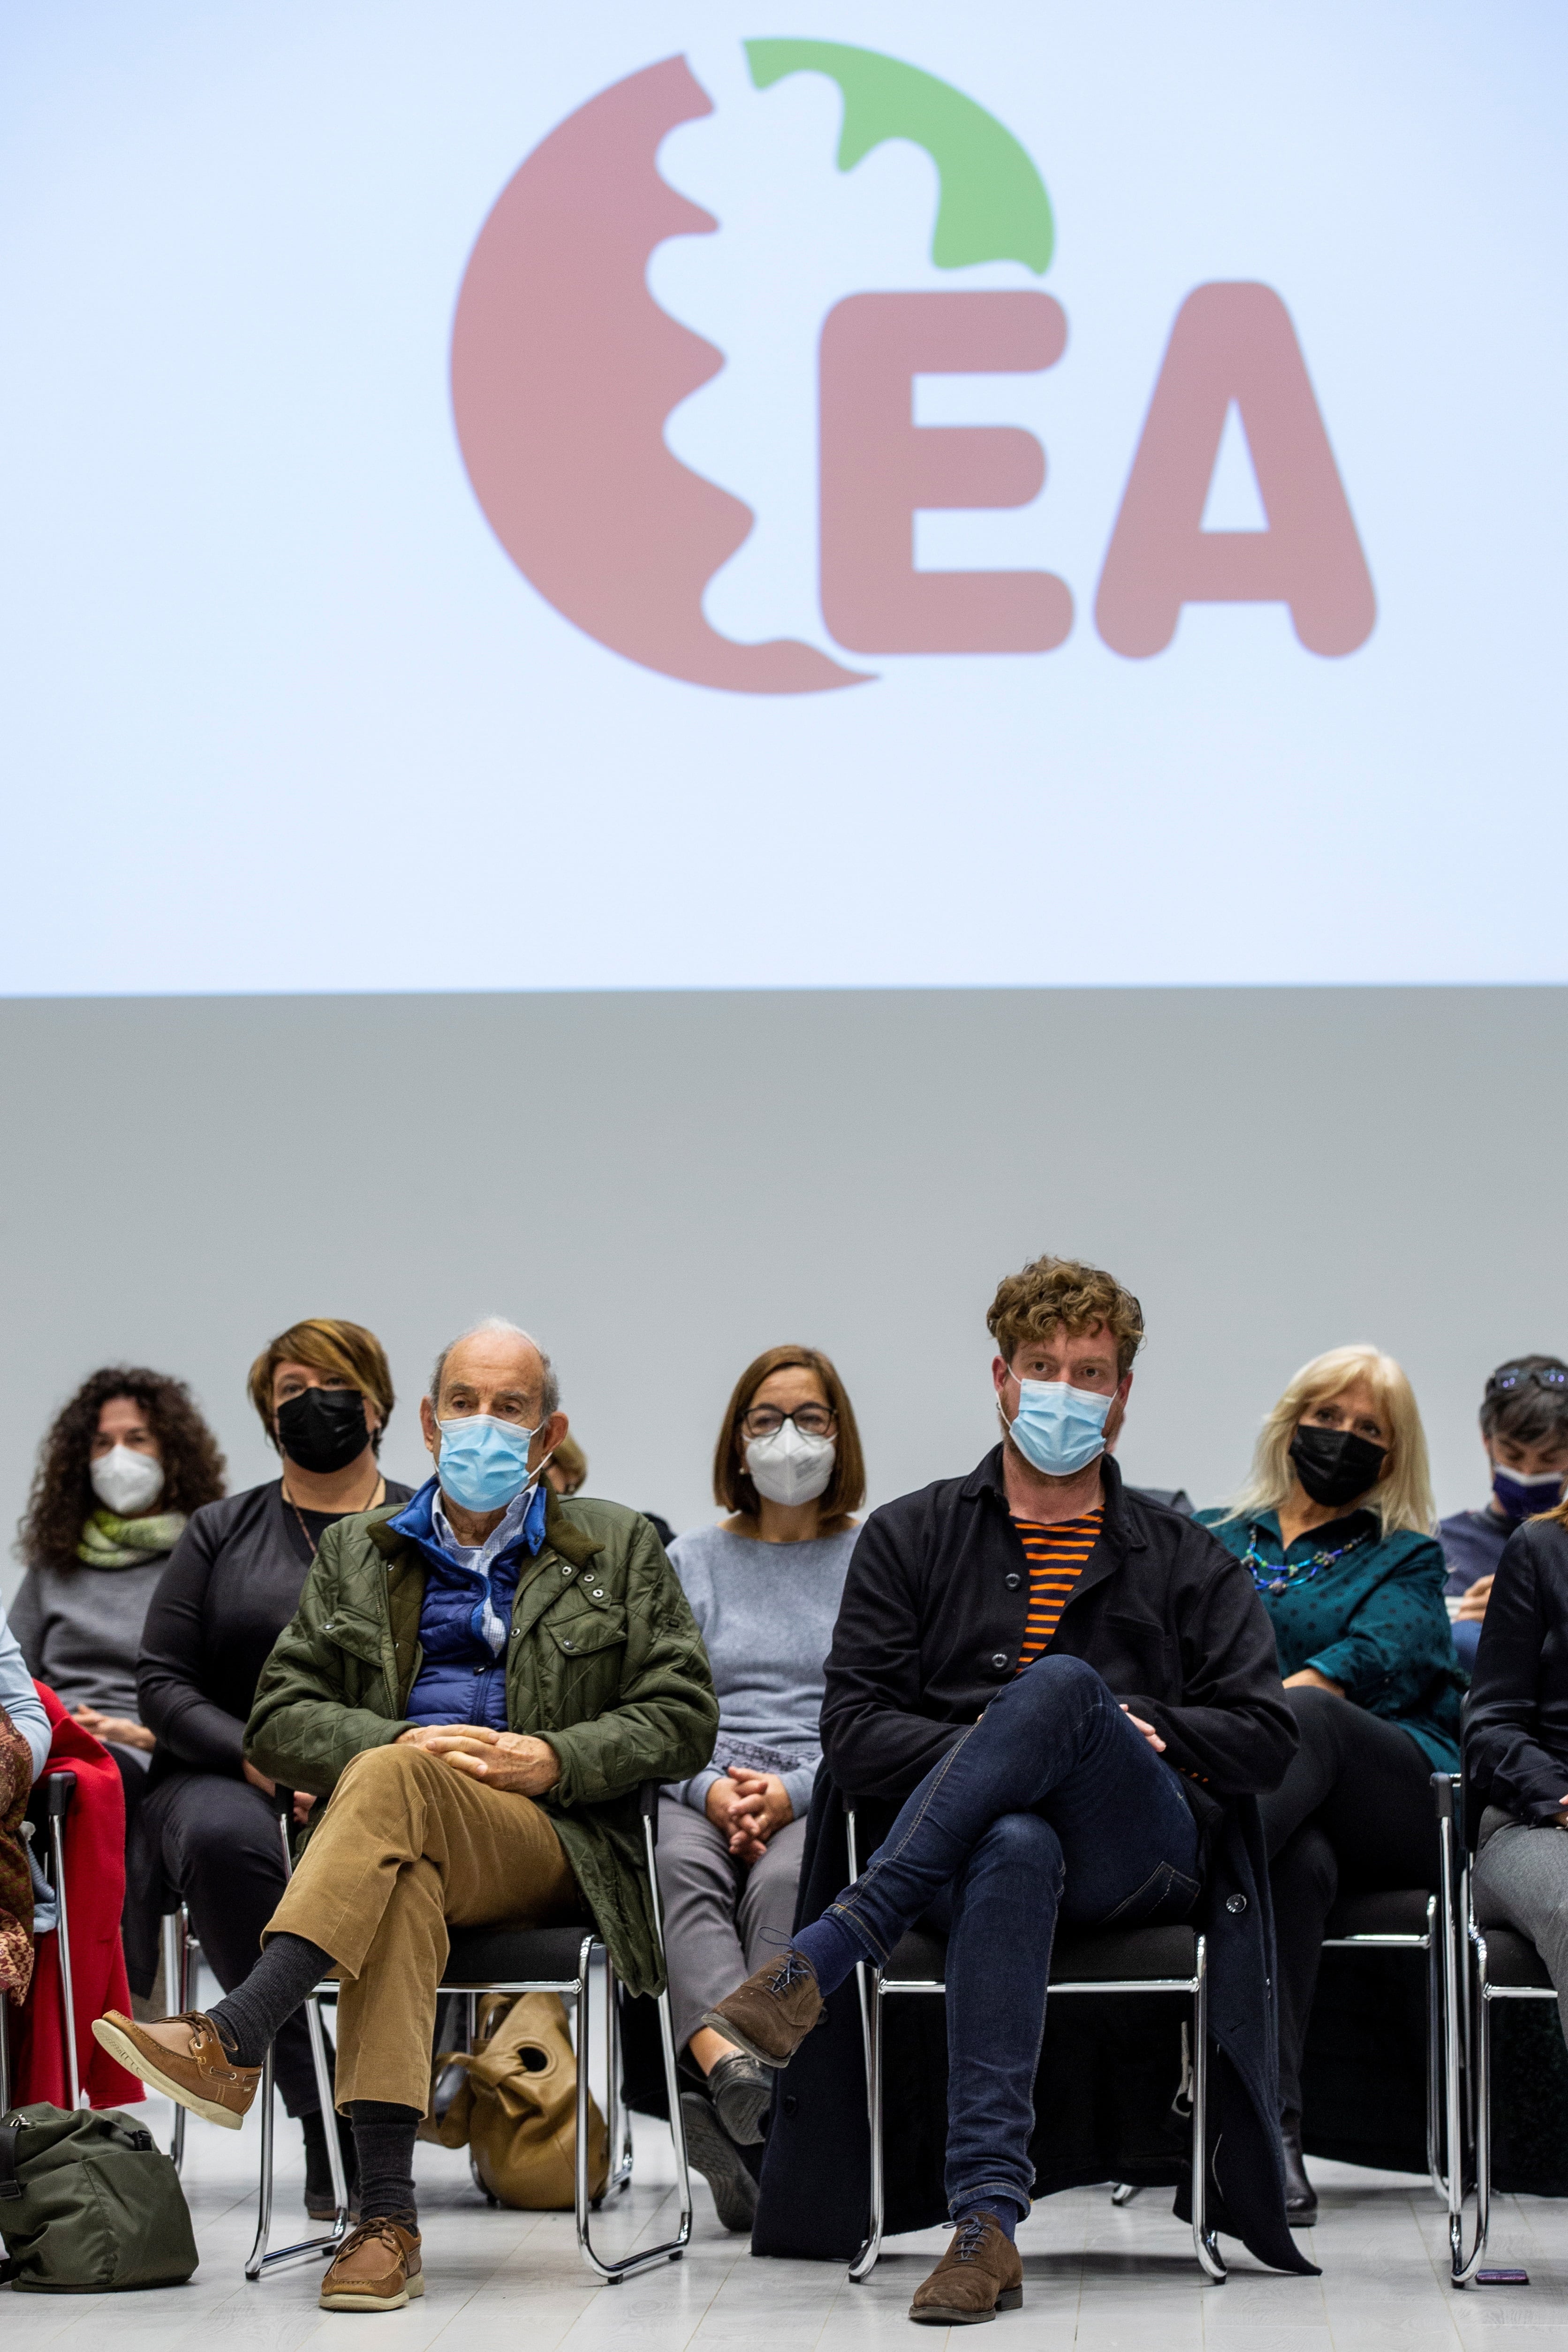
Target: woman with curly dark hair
point(122, 1467)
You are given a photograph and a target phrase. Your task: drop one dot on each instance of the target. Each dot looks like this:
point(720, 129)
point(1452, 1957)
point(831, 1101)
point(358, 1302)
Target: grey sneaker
point(712, 2152)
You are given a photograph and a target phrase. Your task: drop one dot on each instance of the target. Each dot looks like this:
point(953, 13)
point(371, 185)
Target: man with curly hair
point(1069, 1690)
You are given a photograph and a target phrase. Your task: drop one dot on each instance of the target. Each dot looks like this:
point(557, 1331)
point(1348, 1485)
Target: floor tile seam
point(696, 2270)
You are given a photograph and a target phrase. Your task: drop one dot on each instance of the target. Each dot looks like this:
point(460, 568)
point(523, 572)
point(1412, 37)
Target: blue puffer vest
point(461, 1680)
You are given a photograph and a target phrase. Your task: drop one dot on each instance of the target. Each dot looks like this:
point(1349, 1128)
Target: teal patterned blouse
point(1373, 1621)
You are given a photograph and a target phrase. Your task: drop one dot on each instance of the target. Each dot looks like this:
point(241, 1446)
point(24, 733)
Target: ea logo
point(565, 370)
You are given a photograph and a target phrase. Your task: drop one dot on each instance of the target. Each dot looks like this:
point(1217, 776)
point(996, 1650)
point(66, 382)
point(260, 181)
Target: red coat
point(95, 1891)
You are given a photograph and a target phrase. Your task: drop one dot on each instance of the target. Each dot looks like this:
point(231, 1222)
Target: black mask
point(1333, 1464)
point(323, 1429)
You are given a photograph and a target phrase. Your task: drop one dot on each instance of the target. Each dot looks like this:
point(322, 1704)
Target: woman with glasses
point(1335, 1526)
point(1524, 1429)
point(764, 1586)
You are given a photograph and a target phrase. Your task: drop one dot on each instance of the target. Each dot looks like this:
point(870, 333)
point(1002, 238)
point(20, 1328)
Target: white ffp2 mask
point(126, 1481)
point(790, 1466)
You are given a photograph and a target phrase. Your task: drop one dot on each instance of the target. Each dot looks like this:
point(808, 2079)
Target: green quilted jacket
point(605, 1662)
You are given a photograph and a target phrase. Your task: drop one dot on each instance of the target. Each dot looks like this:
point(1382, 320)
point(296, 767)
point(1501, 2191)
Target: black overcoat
point(932, 1619)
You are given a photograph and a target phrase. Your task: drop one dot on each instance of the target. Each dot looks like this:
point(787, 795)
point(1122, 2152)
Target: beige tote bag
point(518, 2109)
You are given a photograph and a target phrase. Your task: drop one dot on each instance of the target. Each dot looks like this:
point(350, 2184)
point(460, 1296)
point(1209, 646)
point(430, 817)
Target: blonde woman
point(1335, 1525)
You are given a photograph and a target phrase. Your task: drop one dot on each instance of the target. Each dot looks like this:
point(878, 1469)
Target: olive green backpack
point(88, 2202)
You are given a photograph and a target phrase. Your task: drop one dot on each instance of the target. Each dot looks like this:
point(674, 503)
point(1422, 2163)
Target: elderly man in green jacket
point(479, 1681)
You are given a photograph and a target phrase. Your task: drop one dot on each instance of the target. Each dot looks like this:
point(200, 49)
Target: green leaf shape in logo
point(993, 204)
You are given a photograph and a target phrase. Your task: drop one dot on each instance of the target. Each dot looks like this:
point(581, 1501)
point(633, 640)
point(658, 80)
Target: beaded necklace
point(1278, 1578)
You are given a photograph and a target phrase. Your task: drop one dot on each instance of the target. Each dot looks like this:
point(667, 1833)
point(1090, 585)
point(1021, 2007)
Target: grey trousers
point(1521, 1881)
point(721, 1917)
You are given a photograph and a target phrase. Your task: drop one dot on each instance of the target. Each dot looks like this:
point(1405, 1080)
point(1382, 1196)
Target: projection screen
point(502, 497)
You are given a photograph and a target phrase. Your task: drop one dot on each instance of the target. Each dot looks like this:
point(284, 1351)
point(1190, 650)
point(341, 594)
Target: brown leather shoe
point(206, 2080)
point(771, 2013)
point(377, 2268)
point(980, 2274)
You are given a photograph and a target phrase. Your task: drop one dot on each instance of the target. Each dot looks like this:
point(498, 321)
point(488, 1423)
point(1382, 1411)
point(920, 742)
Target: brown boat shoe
point(980, 2274)
point(205, 2079)
point(771, 2013)
point(376, 2268)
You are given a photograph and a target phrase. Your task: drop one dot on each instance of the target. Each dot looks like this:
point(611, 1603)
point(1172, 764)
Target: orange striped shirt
point(1056, 1556)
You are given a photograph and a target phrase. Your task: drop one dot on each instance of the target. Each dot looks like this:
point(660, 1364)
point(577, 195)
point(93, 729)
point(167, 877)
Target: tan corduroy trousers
point(407, 1847)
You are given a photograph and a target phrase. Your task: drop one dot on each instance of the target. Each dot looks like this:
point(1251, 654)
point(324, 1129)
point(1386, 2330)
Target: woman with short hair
point(1524, 1429)
point(1335, 1525)
point(324, 1395)
point(764, 1586)
point(122, 1468)
point(1516, 1745)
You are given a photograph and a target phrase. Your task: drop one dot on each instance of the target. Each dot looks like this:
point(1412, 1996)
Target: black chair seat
point(1095, 1956)
point(1399, 1912)
point(506, 1953)
point(1513, 1960)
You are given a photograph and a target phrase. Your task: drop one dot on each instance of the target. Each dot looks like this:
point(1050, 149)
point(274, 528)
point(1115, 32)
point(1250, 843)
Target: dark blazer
point(932, 1619)
point(1516, 1725)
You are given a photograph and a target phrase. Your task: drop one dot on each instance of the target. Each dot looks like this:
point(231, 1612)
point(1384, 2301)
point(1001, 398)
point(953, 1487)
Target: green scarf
point(109, 1542)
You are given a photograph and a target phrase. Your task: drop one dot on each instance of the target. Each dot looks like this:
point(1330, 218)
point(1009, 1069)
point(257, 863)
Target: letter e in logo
point(878, 467)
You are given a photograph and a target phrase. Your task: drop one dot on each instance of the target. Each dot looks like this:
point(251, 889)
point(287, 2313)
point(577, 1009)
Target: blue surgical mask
point(1521, 1498)
point(483, 1463)
point(1058, 1428)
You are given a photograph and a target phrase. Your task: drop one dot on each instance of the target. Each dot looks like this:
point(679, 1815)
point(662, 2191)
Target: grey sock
point(287, 1972)
point(383, 2141)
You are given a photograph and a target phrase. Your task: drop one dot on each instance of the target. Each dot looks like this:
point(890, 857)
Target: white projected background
point(280, 712)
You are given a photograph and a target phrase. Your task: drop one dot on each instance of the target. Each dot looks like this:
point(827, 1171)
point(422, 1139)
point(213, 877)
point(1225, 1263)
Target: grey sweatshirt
point(80, 1631)
point(767, 1612)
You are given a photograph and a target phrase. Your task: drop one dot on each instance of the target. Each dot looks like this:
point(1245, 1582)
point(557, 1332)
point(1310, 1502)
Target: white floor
point(1092, 2276)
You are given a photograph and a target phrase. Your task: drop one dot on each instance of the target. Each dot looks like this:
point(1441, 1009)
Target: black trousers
point(217, 1842)
point(1354, 1813)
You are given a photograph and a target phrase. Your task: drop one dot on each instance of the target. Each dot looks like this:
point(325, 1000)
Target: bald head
point(491, 1352)
point(494, 1371)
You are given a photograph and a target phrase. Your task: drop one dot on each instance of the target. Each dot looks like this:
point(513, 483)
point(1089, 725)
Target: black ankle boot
point(319, 2200)
point(1301, 2197)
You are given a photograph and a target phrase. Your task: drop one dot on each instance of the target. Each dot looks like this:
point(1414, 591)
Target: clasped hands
point(513, 1762)
point(748, 1808)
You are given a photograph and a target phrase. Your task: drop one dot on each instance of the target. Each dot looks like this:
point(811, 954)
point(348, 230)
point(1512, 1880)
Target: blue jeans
point(1053, 1806)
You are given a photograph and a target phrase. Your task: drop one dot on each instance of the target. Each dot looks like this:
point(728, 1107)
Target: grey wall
point(661, 1185)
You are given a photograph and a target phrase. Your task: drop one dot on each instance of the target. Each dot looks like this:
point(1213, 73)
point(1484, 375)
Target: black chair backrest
point(50, 1801)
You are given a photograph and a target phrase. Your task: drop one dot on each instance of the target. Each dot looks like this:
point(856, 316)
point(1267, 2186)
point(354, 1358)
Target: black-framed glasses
point(1510, 1378)
point(767, 1421)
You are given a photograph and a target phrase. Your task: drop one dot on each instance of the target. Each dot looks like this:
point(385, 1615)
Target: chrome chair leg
point(670, 2250)
point(260, 2258)
point(1206, 2243)
point(618, 2117)
point(865, 2261)
point(177, 1994)
point(61, 1787)
point(1437, 2170)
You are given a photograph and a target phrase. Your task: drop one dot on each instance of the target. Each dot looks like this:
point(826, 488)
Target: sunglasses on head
point(1553, 1377)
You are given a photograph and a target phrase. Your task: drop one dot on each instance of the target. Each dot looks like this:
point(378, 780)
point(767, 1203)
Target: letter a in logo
point(1233, 343)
